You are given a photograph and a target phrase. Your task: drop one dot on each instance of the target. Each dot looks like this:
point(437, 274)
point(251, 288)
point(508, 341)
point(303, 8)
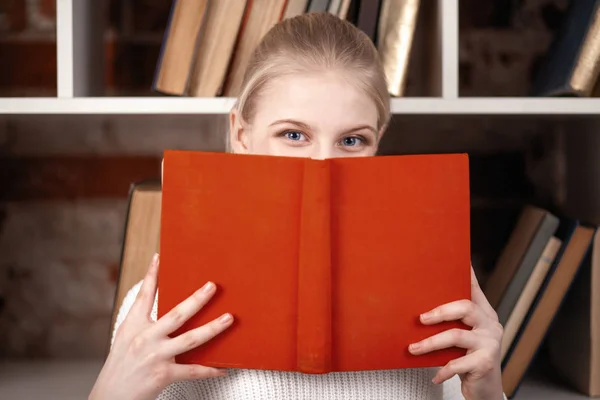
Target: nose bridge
point(321, 151)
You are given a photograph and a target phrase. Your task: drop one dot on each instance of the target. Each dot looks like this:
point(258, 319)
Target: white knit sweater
point(403, 384)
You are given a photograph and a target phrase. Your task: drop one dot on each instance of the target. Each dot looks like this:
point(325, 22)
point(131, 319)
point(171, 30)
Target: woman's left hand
point(479, 369)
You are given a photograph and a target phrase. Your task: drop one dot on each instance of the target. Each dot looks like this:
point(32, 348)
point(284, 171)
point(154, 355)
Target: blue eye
point(351, 141)
point(294, 135)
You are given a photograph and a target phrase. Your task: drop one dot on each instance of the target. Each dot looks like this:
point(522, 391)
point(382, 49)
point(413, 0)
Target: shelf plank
point(497, 106)
point(449, 32)
point(222, 105)
point(117, 105)
point(64, 48)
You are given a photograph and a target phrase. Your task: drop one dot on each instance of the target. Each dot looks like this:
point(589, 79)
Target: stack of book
point(545, 288)
point(207, 43)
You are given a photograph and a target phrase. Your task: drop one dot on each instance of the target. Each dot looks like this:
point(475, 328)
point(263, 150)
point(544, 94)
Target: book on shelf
point(396, 30)
point(534, 251)
point(326, 265)
point(344, 9)
point(574, 338)
point(318, 6)
point(533, 224)
point(531, 279)
point(215, 45)
point(141, 238)
point(334, 7)
point(178, 49)
point(517, 314)
point(295, 7)
point(572, 65)
point(368, 16)
point(207, 45)
point(260, 16)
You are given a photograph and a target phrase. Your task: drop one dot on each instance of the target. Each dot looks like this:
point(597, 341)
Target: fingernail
point(208, 287)
point(225, 318)
point(435, 380)
point(155, 259)
point(414, 347)
point(425, 316)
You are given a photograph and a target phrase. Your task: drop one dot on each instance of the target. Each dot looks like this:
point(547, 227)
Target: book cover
point(326, 265)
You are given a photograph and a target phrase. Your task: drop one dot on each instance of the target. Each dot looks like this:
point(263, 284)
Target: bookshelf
point(77, 72)
point(77, 95)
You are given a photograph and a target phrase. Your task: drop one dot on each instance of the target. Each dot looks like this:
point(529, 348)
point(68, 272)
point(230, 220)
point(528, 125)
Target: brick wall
point(27, 48)
point(65, 183)
point(65, 178)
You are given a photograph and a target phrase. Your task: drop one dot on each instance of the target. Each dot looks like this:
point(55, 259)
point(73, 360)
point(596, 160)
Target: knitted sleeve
point(126, 306)
point(452, 389)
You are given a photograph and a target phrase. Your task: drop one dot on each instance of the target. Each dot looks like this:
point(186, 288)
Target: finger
point(464, 310)
point(479, 298)
point(478, 363)
point(198, 336)
point(179, 314)
point(144, 300)
point(187, 372)
point(451, 338)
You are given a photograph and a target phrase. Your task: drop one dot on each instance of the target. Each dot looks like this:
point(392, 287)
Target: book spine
point(515, 287)
point(572, 64)
point(397, 24)
point(314, 271)
point(318, 6)
point(528, 294)
point(178, 47)
point(368, 17)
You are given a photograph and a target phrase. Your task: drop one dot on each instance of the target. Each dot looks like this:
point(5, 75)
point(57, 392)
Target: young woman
point(314, 88)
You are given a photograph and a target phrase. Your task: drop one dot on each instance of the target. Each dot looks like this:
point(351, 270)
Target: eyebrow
point(307, 127)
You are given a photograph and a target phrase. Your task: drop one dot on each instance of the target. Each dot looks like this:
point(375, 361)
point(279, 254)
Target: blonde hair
point(313, 42)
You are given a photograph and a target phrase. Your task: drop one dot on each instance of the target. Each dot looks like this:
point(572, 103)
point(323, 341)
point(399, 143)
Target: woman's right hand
point(141, 362)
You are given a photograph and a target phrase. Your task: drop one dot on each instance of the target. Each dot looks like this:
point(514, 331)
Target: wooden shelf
point(222, 105)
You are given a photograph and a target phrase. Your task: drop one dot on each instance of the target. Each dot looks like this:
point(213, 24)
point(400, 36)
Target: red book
point(325, 265)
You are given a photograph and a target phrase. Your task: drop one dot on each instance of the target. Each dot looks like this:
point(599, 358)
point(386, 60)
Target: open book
point(325, 265)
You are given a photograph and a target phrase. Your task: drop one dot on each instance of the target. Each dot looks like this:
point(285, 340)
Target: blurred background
point(66, 178)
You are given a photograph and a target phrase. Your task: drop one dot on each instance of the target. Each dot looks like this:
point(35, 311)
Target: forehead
point(318, 98)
